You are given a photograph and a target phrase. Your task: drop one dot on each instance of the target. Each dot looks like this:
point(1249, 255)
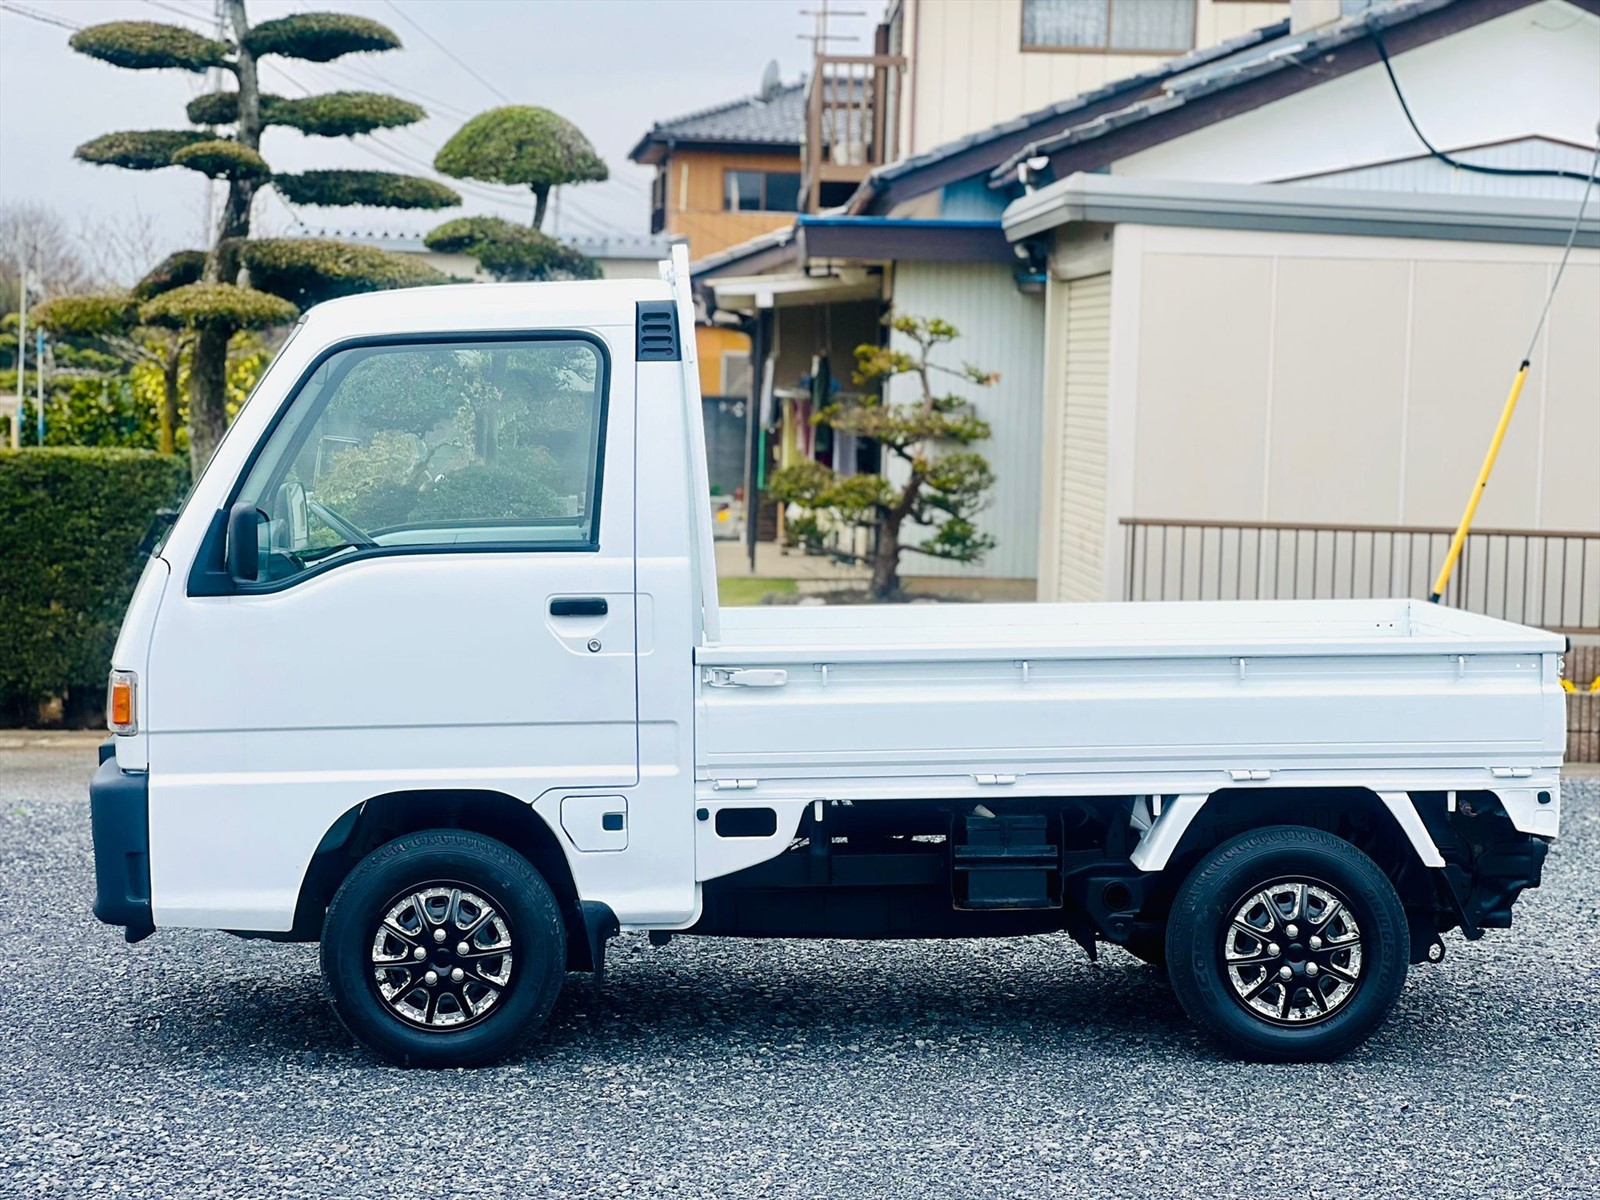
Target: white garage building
point(1280, 328)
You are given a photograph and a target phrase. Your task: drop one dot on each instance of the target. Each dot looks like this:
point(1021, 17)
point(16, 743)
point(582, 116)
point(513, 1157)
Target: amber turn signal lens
point(119, 702)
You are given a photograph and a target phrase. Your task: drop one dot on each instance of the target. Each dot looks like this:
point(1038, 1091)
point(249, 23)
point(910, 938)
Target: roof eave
point(1338, 51)
point(1281, 208)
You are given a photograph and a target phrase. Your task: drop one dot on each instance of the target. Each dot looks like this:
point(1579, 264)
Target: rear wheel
point(1287, 944)
point(443, 949)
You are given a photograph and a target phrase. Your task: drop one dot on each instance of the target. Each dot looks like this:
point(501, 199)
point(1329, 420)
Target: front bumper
point(119, 816)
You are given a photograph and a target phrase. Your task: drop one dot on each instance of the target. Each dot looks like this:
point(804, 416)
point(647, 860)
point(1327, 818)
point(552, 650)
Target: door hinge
point(1247, 776)
point(733, 785)
point(995, 780)
point(1511, 772)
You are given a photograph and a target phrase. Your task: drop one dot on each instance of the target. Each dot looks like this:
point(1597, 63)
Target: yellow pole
point(1465, 527)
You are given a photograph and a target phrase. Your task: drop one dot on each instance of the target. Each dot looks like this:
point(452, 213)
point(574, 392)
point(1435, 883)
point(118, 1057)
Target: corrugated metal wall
point(1087, 340)
point(1424, 174)
point(1001, 330)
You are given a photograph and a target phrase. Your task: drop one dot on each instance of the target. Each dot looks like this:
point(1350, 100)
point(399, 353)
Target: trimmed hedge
point(344, 114)
point(139, 149)
point(220, 158)
point(149, 45)
point(307, 271)
point(320, 36)
point(521, 144)
point(74, 519)
point(511, 253)
point(381, 189)
point(217, 306)
point(176, 270)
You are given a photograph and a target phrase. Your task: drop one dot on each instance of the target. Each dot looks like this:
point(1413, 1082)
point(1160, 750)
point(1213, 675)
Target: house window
point(1134, 26)
point(735, 373)
point(658, 200)
point(761, 191)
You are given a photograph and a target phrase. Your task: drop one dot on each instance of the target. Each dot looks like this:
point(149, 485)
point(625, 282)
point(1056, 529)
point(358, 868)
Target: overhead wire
point(446, 51)
point(35, 15)
point(1475, 168)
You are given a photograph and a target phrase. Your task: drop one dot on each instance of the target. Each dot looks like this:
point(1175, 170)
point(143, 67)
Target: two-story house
point(726, 174)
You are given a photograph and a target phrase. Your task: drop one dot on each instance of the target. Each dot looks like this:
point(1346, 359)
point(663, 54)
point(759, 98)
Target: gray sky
point(612, 66)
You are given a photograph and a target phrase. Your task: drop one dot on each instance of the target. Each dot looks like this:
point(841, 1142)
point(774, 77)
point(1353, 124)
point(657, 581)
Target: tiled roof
point(1067, 108)
point(1288, 50)
point(774, 119)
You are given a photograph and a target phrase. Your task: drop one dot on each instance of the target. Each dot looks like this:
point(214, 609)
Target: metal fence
point(1548, 578)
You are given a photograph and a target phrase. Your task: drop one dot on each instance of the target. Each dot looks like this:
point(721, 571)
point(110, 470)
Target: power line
point(182, 12)
point(448, 53)
point(35, 15)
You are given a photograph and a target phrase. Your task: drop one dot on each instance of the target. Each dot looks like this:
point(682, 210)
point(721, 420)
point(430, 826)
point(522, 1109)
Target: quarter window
point(449, 444)
point(1137, 26)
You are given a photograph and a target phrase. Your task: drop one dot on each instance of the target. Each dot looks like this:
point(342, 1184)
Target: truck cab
point(430, 669)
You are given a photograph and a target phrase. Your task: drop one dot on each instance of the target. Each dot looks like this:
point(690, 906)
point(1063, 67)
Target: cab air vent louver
point(657, 331)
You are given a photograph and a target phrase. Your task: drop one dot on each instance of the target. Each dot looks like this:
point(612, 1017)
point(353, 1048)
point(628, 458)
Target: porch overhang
point(903, 239)
point(752, 293)
point(1285, 208)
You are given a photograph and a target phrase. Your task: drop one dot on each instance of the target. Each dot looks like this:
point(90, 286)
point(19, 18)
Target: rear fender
point(1157, 847)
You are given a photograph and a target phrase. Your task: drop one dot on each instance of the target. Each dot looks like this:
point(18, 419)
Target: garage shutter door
point(1081, 559)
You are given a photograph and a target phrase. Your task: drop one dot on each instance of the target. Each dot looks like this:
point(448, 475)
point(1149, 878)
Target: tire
point(481, 895)
point(1283, 882)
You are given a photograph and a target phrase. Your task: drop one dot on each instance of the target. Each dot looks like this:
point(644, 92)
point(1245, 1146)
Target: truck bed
point(1162, 698)
point(901, 633)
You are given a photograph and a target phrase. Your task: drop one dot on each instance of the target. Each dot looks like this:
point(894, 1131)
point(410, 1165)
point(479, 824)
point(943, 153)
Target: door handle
point(728, 677)
point(579, 606)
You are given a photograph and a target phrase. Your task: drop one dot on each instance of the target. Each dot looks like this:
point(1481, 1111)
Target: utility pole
point(38, 382)
point(22, 346)
point(819, 40)
point(214, 84)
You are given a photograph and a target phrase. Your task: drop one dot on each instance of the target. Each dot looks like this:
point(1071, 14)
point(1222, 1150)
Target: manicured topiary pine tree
point(940, 484)
point(210, 304)
point(520, 146)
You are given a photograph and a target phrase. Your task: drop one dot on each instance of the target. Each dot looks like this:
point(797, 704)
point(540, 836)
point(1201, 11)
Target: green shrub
point(74, 519)
point(220, 305)
point(381, 189)
point(319, 36)
point(176, 270)
point(307, 271)
point(147, 45)
point(222, 159)
point(521, 145)
point(341, 114)
point(139, 149)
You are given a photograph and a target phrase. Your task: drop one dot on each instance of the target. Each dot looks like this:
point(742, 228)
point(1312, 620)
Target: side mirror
point(244, 543)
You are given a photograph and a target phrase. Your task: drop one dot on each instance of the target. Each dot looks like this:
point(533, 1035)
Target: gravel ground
point(200, 1065)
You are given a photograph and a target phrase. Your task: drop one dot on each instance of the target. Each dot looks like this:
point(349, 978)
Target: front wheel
point(443, 949)
point(1287, 945)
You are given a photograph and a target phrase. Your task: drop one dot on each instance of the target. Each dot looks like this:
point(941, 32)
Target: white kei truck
point(430, 669)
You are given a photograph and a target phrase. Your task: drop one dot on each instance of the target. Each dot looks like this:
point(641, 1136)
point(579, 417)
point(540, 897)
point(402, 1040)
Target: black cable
point(1537, 172)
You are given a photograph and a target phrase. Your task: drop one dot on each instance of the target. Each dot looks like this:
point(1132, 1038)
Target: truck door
point(444, 602)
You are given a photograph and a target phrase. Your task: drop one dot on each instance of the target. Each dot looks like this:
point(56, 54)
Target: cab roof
point(476, 307)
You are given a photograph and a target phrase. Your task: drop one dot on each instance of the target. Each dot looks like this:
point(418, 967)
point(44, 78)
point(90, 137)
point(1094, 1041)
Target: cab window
point(442, 445)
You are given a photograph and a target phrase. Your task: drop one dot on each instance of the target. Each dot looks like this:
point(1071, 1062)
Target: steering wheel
point(350, 533)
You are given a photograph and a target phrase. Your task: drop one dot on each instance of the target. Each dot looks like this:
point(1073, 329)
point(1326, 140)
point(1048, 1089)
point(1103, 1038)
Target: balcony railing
point(852, 107)
point(1534, 577)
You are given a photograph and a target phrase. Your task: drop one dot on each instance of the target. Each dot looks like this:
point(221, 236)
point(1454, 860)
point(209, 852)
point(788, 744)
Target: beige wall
point(1303, 378)
point(968, 70)
point(695, 199)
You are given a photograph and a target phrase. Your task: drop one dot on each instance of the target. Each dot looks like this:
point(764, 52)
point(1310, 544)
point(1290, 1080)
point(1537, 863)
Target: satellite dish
point(771, 81)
